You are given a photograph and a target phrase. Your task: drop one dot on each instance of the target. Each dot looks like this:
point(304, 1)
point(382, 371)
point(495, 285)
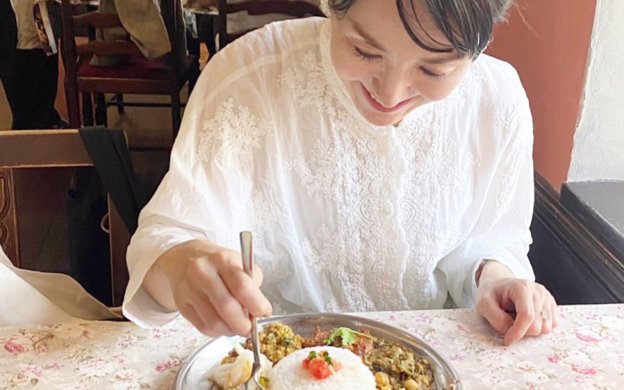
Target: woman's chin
point(382, 119)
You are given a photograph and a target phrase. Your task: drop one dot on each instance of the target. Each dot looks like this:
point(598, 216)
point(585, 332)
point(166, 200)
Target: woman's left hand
point(498, 298)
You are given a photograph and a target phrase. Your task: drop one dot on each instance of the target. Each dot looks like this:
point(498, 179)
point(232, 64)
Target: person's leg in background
point(206, 32)
point(8, 44)
point(29, 78)
point(32, 90)
point(50, 72)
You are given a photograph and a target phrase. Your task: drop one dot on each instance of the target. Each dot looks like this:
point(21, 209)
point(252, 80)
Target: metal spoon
point(247, 255)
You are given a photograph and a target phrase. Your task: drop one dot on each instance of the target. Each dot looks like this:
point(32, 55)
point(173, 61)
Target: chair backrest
point(75, 25)
point(161, 76)
point(292, 8)
point(52, 149)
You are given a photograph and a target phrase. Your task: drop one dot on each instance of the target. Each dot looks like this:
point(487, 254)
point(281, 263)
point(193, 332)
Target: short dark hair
point(467, 24)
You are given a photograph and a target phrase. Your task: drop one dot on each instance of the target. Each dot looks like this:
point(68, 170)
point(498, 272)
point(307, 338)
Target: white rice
point(289, 373)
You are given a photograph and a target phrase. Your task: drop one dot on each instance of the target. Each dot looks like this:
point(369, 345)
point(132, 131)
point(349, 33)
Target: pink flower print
point(35, 370)
point(169, 364)
point(553, 358)
point(423, 319)
point(53, 366)
point(128, 340)
point(13, 347)
point(161, 333)
point(458, 358)
point(587, 337)
point(583, 369)
point(461, 326)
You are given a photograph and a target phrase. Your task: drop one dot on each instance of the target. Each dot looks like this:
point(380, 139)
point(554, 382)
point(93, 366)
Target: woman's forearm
point(156, 280)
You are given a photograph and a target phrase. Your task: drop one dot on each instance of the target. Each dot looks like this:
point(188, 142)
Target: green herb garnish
point(347, 336)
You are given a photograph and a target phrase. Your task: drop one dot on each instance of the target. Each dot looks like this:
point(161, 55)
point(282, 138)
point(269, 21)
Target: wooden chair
point(293, 8)
point(164, 76)
point(50, 149)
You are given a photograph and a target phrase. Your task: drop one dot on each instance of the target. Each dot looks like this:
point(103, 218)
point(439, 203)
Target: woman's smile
point(379, 106)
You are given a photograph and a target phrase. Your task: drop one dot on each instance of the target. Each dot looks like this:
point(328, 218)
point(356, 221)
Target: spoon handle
point(246, 242)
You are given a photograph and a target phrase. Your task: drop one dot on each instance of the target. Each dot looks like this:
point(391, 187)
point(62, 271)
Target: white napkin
point(31, 298)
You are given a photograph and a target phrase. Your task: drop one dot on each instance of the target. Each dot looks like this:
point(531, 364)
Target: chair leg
point(120, 103)
point(100, 110)
point(175, 114)
point(73, 104)
point(87, 110)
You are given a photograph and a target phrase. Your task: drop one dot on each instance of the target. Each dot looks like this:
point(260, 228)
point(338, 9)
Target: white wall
point(598, 152)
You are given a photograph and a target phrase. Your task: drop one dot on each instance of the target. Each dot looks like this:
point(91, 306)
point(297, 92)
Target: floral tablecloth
point(586, 351)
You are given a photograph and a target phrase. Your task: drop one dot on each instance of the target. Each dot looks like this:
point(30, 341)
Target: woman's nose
point(393, 87)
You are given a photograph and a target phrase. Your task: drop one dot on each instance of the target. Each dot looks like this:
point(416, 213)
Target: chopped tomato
point(321, 366)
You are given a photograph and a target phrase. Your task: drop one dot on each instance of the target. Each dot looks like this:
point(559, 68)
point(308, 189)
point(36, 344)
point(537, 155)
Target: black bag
point(89, 253)
point(87, 207)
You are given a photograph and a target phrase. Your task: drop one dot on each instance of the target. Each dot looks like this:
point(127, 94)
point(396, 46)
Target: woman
point(382, 162)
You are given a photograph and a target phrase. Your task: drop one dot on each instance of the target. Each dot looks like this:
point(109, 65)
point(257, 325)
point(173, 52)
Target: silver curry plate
point(192, 374)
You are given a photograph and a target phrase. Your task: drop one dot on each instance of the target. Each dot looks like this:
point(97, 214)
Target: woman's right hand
point(209, 288)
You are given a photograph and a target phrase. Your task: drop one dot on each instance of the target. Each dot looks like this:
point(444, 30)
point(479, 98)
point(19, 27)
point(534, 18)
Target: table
point(585, 351)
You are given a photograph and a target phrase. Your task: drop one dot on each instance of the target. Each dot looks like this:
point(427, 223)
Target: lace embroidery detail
point(519, 144)
point(312, 92)
point(350, 173)
point(381, 195)
point(433, 176)
point(229, 137)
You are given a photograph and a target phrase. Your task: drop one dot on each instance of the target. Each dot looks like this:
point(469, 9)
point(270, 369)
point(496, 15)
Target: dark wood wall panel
point(570, 259)
point(8, 226)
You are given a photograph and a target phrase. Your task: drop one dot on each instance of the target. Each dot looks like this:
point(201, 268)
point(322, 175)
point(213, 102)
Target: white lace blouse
point(346, 216)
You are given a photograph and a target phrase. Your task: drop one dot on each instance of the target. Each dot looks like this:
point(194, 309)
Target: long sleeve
point(502, 229)
point(208, 184)
point(170, 218)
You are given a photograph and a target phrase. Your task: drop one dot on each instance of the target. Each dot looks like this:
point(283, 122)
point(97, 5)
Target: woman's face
point(386, 73)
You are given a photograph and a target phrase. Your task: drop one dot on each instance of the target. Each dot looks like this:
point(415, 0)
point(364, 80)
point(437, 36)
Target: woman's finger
point(554, 311)
point(258, 275)
point(247, 292)
point(195, 307)
point(489, 309)
point(209, 316)
point(546, 321)
point(211, 328)
point(227, 306)
point(549, 314)
point(205, 281)
point(521, 296)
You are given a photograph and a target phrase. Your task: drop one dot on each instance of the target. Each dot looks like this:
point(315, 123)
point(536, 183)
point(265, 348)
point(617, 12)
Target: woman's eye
point(364, 55)
point(432, 74)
